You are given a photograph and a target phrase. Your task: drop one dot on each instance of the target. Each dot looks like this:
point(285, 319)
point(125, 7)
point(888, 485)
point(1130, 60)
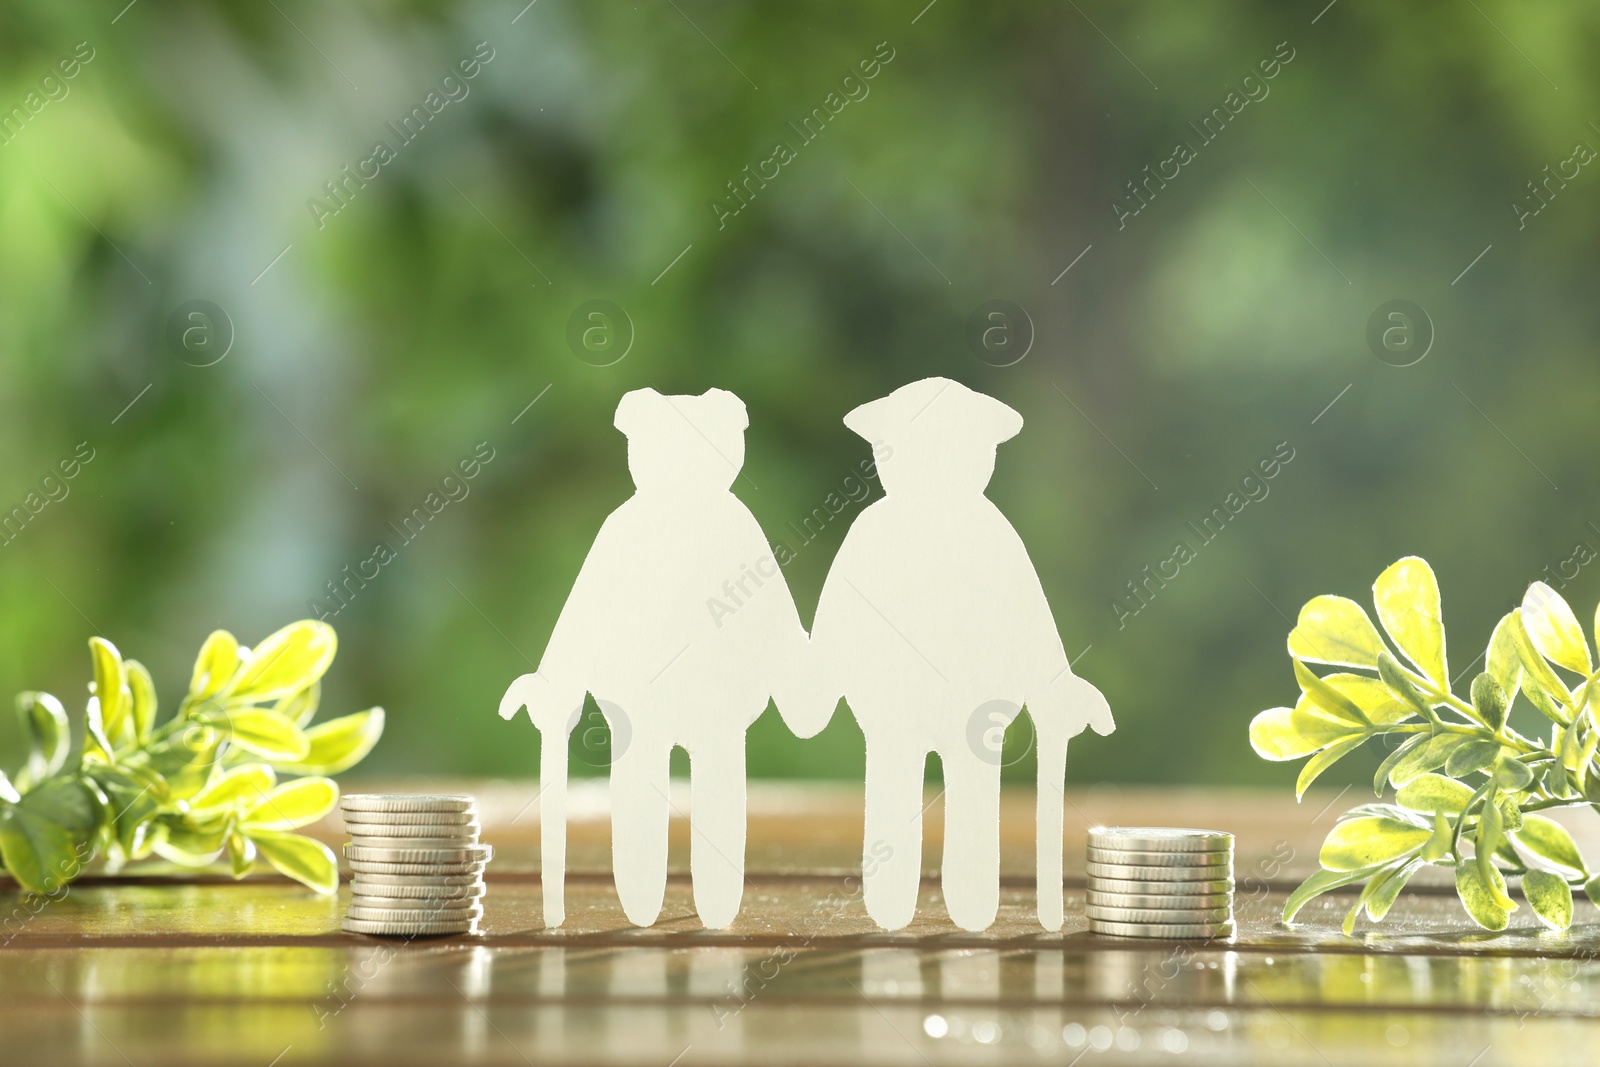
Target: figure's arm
point(812, 683)
point(793, 685)
point(1060, 702)
point(1066, 706)
point(552, 707)
point(554, 693)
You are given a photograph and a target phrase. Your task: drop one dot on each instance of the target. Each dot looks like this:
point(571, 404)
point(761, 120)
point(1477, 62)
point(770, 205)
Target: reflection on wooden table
point(178, 969)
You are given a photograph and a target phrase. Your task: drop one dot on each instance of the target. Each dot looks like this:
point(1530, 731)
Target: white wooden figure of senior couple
point(932, 625)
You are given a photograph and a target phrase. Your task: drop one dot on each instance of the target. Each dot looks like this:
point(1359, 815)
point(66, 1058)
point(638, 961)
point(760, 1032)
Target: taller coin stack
point(418, 866)
point(1160, 881)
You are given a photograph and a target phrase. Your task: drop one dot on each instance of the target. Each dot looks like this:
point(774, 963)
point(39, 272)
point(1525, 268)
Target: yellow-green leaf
point(1512, 775)
point(1490, 836)
point(293, 805)
point(190, 845)
point(1336, 630)
point(300, 706)
point(1430, 793)
point(1381, 897)
point(1277, 734)
point(241, 788)
point(1512, 813)
point(339, 744)
point(286, 661)
point(49, 734)
point(1473, 754)
point(1429, 756)
point(1438, 846)
point(1369, 694)
point(1540, 684)
point(110, 688)
point(1482, 895)
point(1550, 841)
point(1398, 681)
point(1490, 701)
point(1326, 697)
point(1370, 841)
point(1407, 598)
point(1503, 662)
point(1570, 746)
point(216, 665)
point(1550, 897)
point(1554, 629)
point(185, 759)
point(262, 732)
point(1586, 756)
point(1321, 762)
point(1597, 625)
point(141, 699)
point(1379, 894)
point(241, 853)
point(47, 836)
point(306, 861)
point(1380, 780)
point(1319, 882)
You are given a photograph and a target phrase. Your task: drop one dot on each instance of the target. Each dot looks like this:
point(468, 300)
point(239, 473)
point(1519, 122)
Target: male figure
point(933, 625)
point(648, 630)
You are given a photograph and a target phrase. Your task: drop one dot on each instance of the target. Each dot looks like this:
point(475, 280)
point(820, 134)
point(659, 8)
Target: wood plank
point(202, 969)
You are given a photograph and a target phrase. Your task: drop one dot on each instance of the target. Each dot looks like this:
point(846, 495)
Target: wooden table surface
point(177, 968)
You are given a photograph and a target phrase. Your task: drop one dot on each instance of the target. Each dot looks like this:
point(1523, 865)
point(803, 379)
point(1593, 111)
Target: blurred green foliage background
point(586, 157)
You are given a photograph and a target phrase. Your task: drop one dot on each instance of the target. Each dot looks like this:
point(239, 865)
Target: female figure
point(681, 625)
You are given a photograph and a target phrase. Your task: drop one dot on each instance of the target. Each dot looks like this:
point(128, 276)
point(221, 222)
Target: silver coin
point(1166, 888)
point(1165, 931)
point(384, 825)
point(387, 928)
point(1160, 838)
point(1132, 872)
point(1161, 859)
point(411, 910)
point(1203, 901)
point(414, 915)
point(412, 818)
point(474, 869)
point(447, 905)
point(365, 841)
point(404, 890)
point(461, 854)
point(405, 802)
point(1160, 915)
point(417, 881)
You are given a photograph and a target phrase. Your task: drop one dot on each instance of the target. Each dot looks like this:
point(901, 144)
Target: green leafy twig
point(202, 786)
point(1466, 783)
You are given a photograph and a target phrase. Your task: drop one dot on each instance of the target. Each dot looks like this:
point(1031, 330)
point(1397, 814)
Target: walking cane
point(553, 822)
point(531, 691)
point(1049, 816)
point(1070, 705)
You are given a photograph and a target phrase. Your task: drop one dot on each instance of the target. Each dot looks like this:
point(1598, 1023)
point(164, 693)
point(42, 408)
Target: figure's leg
point(971, 872)
point(640, 811)
point(892, 850)
point(717, 828)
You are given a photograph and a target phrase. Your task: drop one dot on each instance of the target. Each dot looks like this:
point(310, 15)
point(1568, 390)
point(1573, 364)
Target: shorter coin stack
point(417, 863)
point(1160, 881)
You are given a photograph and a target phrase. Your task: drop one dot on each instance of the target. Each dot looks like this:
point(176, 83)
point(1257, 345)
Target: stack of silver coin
point(417, 864)
point(1160, 881)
